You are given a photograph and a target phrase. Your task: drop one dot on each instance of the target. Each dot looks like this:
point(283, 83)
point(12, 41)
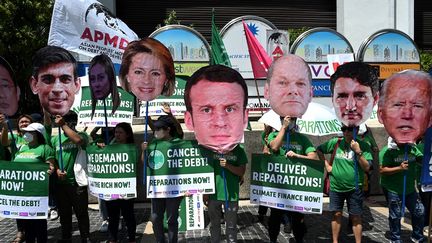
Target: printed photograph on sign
point(54, 79)
point(185, 44)
point(9, 90)
point(147, 69)
point(292, 95)
point(216, 99)
point(405, 105)
point(389, 46)
point(355, 92)
point(315, 44)
point(277, 43)
point(102, 81)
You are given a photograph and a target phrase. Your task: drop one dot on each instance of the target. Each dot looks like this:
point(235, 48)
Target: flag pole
point(145, 140)
point(14, 147)
point(106, 124)
point(356, 179)
point(404, 182)
point(259, 97)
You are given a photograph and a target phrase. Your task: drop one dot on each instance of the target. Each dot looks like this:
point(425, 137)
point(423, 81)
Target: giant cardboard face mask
point(218, 117)
point(9, 93)
point(352, 101)
point(56, 87)
point(405, 108)
point(146, 76)
point(289, 91)
point(100, 83)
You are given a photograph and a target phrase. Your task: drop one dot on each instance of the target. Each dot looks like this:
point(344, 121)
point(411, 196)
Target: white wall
point(358, 19)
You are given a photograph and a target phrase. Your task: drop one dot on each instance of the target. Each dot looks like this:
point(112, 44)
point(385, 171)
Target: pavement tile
point(375, 228)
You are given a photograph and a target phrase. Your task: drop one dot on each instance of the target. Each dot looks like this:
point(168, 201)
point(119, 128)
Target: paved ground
point(375, 227)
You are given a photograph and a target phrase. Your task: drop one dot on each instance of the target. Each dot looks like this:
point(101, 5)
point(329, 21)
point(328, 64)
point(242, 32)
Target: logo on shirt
point(156, 159)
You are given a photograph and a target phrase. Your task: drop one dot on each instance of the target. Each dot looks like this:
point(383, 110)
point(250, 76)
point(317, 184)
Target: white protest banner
point(335, 60)
point(87, 27)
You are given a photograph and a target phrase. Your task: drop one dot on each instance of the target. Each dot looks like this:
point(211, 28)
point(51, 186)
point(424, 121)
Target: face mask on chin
point(28, 137)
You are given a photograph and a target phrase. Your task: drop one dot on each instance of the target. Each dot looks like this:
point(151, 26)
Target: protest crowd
point(50, 165)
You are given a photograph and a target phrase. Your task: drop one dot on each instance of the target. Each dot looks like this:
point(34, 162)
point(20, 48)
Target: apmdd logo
point(156, 159)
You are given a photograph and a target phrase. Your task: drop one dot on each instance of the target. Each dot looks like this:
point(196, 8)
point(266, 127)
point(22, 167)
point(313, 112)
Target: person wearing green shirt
point(6, 138)
point(216, 98)
point(299, 147)
point(10, 98)
point(344, 183)
point(368, 138)
point(165, 129)
point(69, 194)
point(262, 210)
point(394, 165)
point(123, 134)
point(35, 151)
point(234, 165)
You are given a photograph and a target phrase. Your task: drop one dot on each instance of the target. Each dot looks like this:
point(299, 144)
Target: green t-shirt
point(393, 158)
point(19, 142)
point(369, 139)
point(39, 154)
point(299, 143)
point(70, 151)
point(420, 147)
point(236, 157)
point(342, 177)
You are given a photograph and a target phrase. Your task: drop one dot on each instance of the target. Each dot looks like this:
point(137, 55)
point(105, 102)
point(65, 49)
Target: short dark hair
point(50, 55)
point(9, 68)
point(216, 74)
point(363, 73)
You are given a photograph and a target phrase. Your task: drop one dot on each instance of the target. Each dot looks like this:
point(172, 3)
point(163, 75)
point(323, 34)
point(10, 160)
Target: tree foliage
point(24, 28)
point(426, 60)
point(295, 33)
point(171, 18)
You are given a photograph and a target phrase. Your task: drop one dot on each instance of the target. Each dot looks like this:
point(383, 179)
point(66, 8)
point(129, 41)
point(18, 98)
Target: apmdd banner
point(112, 171)
point(177, 167)
point(23, 190)
point(288, 184)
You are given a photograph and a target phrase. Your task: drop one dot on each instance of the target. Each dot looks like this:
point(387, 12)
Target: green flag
point(219, 54)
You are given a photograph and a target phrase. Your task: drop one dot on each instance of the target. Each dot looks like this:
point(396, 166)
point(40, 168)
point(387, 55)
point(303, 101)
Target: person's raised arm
point(363, 162)
point(310, 155)
point(236, 170)
point(385, 170)
point(144, 146)
point(4, 135)
point(74, 136)
point(167, 109)
point(277, 143)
